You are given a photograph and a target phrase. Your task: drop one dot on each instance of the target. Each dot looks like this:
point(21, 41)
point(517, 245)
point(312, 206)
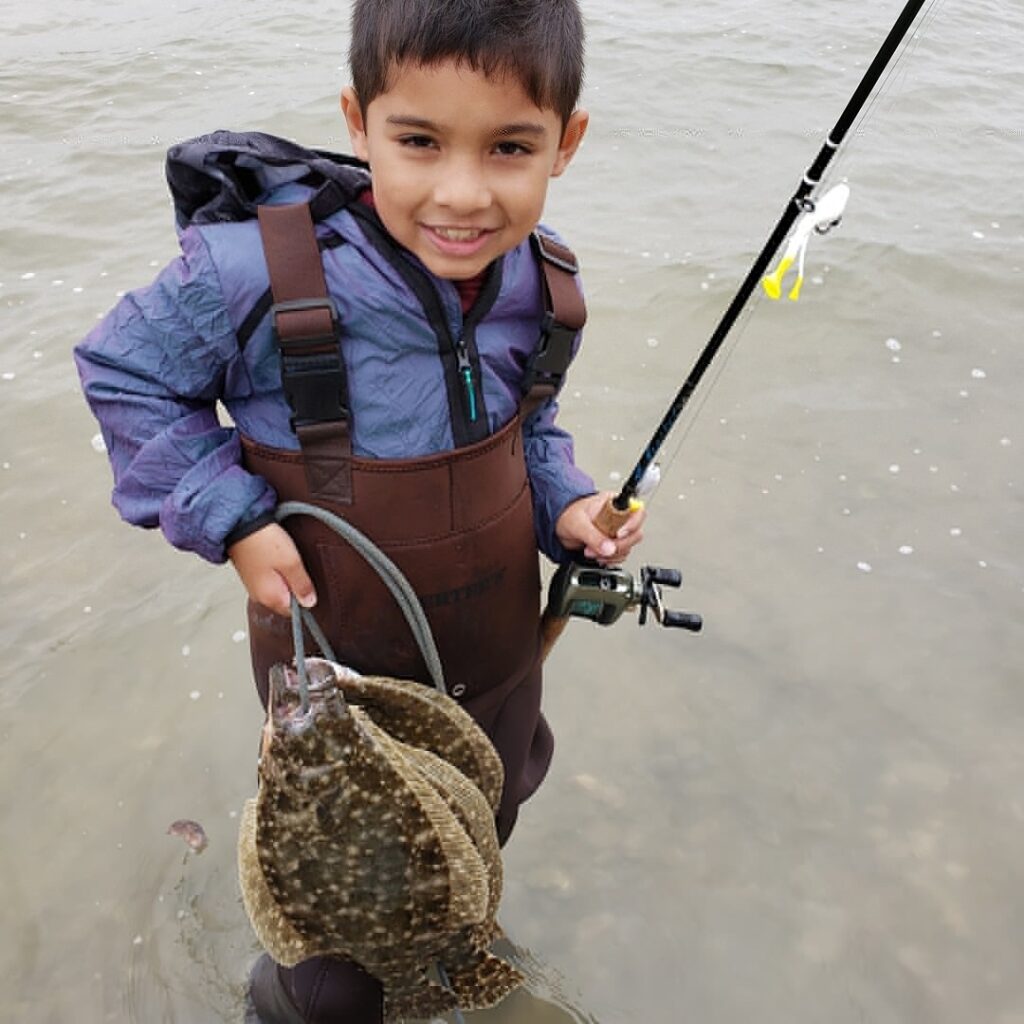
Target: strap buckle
point(312, 369)
point(550, 360)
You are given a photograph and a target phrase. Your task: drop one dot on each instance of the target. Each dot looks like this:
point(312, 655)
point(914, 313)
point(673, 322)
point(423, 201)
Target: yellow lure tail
point(773, 282)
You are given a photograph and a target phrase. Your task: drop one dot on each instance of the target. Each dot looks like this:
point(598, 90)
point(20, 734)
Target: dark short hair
point(538, 42)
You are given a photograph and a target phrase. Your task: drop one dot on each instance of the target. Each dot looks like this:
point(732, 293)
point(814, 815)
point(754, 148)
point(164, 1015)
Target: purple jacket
point(155, 370)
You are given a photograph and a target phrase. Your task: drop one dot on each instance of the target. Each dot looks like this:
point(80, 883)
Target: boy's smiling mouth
point(457, 234)
point(457, 242)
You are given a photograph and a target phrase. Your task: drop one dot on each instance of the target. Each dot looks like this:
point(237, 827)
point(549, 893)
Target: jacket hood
point(225, 175)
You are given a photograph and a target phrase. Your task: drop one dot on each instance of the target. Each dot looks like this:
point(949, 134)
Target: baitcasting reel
point(600, 593)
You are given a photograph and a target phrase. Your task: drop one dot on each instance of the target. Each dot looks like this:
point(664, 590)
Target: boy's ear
point(572, 136)
point(353, 112)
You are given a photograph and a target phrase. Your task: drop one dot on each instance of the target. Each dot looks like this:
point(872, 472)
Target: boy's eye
point(416, 141)
point(512, 149)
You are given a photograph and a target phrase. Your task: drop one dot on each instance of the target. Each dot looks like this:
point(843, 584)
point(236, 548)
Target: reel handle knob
point(665, 577)
point(683, 620)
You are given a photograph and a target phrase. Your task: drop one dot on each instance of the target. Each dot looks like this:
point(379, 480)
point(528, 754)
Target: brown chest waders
point(458, 524)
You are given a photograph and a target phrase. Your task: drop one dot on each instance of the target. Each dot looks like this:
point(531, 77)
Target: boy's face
point(460, 162)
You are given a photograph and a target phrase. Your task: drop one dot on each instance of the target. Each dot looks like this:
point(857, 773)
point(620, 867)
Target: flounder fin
point(484, 983)
point(466, 873)
point(426, 718)
point(273, 930)
point(422, 998)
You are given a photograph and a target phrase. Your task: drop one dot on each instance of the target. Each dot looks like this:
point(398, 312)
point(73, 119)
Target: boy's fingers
point(597, 545)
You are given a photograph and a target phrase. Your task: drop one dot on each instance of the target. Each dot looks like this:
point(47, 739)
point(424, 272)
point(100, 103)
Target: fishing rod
point(601, 594)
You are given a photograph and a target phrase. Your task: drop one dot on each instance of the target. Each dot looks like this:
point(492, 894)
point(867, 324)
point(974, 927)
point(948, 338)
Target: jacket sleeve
point(555, 478)
point(152, 372)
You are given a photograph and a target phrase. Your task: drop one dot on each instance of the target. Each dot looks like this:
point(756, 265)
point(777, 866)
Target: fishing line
point(682, 432)
point(906, 50)
point(801, 207)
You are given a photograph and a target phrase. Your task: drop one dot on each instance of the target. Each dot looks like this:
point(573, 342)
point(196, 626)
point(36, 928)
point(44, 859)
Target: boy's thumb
point(302, 587)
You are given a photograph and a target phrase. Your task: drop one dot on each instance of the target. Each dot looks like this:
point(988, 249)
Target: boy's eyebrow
point(522, 128)
point(515, 128)
point(412, 122)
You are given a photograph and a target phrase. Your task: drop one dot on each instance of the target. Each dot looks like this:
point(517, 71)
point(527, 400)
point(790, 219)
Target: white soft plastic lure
point(826, 214)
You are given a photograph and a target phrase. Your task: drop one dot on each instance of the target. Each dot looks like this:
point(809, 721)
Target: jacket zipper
point(465, 369)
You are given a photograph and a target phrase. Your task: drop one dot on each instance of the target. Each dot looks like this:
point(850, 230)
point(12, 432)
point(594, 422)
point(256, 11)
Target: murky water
point(814, 810)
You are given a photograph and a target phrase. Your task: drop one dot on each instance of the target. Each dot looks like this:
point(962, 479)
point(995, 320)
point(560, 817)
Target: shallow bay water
point(811, 811)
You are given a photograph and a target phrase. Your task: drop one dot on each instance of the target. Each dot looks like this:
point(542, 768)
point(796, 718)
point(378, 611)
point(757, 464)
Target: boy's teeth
point(459, 234)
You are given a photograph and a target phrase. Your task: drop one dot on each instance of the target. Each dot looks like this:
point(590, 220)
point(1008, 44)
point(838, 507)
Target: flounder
point(372, 837)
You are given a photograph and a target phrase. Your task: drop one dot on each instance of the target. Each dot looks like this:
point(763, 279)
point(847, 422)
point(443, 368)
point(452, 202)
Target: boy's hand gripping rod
point(602, 594)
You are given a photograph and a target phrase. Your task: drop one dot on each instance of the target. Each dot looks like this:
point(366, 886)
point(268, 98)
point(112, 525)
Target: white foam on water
point(864, 566)
point(194, 695)
point(98, 444)
point(893, 344)
point(238, 636)
point(978, 374)
point(894, 468)
point(955, 531)
point(906, 549)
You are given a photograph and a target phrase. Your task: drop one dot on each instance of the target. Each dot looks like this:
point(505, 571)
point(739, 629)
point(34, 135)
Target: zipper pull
point(466, 373)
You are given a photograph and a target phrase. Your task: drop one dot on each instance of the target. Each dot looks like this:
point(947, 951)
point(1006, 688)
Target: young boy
point(392, 376)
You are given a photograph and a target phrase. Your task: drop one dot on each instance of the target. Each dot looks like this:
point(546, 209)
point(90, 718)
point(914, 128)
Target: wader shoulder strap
point(565, 313)
point(308, 336)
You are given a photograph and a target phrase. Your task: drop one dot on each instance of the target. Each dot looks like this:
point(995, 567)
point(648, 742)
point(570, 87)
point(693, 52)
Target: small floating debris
point(98, 444)
point(864, 566)
point(238, 636)
point(906, 549)
point(893, 345)
point(978, 374)
point(191, 832)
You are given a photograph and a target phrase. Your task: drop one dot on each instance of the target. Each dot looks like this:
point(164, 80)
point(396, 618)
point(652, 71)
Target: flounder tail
point(484, 983)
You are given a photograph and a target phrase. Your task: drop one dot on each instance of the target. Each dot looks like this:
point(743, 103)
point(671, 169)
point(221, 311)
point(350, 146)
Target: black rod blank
point(796, 206)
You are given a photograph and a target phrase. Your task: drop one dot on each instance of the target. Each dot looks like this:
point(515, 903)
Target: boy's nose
point(462, 188)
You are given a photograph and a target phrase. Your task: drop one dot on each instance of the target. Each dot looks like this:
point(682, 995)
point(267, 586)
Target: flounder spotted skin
point(423, 717)
point(364, 845)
